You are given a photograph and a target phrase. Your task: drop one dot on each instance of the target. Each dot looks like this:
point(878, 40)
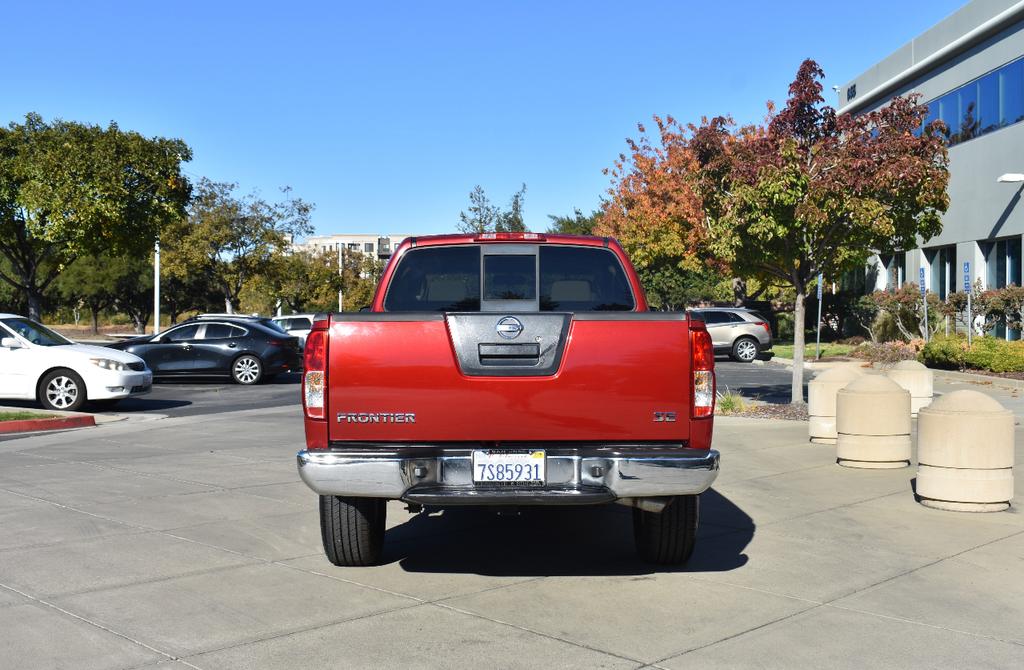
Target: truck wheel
point(744, 350)
point(668, 537)
point(352, 529)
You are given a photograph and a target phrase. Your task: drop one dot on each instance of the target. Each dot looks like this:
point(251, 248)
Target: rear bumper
point(573, 477)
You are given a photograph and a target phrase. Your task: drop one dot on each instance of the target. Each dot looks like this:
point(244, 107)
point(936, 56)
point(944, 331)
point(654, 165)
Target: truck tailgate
point(429, 377)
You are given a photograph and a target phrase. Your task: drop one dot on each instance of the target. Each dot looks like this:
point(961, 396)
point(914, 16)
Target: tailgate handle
point(497, 354)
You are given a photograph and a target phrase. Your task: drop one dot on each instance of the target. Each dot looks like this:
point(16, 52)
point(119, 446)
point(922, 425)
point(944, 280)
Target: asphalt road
point(769, 382)
point(195, 397)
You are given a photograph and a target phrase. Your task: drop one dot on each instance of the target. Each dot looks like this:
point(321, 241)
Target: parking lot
point(188, 541)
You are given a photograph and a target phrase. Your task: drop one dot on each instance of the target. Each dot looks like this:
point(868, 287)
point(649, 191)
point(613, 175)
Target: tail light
point(314, 374)
point(702, 364)
point(767, 328)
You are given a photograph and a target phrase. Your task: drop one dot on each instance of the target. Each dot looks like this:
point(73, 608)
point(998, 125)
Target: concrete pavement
point(190, 542)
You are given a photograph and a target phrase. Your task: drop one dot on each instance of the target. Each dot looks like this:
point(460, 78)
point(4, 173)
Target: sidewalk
point(191, 538)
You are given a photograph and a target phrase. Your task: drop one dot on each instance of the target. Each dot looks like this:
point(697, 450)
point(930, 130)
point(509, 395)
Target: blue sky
point(386, 114)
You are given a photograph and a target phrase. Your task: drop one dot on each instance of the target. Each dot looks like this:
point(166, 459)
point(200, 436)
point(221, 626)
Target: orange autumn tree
point(663, 199)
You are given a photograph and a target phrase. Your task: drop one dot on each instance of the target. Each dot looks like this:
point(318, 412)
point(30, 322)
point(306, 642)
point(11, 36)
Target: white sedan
point(39, 364)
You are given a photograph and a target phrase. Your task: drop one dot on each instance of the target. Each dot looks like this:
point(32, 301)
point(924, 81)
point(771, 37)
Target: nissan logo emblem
point(509, 327)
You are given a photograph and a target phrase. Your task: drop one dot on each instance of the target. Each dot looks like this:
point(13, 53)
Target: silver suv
point(739, 332)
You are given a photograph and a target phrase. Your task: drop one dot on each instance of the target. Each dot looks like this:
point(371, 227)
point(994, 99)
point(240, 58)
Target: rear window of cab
point(472, 278)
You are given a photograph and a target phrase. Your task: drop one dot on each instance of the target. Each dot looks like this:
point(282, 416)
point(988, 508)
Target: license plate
point(520, 466)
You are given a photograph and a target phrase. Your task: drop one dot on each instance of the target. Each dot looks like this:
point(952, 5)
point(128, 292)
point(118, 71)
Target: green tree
point(231, 239)
point(671, 288)
point(133, 288)
point(511, 220)
point(11, 299)
point(106, 281)
point(577, 224)
point(68, 189)
point(192, 292)
point(88, 282)
point(484, 217)
point(360, 274)
point(303, 281)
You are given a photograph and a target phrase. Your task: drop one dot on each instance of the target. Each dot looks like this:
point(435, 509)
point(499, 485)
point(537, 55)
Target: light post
point(156, 287)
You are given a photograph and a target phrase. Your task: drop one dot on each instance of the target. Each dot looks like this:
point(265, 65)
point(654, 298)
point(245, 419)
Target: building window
point(943, 270)
point(895, 268)
point(1002, 261)
point(353, 246)
point(368, 247)
point(988, 103)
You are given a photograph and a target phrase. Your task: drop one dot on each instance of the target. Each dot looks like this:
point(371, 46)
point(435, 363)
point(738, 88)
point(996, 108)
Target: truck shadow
point(558, 541)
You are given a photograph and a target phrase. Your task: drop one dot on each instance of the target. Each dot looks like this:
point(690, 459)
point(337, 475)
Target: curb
point(55, 423)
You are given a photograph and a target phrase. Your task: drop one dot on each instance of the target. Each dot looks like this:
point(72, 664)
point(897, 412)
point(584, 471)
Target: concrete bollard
point(965, 453)
point(873, 424)
point(917, 379)
point(821, 401)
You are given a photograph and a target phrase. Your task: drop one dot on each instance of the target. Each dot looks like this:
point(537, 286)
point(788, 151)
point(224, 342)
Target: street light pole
point(156, 287)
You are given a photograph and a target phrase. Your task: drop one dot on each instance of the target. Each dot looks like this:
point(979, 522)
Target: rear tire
point(745, 350)
point(353, 529)
point(668, 537)
point(247, 370)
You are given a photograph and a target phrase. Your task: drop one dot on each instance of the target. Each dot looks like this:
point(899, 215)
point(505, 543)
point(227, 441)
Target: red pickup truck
point(508, 369)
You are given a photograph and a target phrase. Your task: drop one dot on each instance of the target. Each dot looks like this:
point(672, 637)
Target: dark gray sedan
point(246, 349)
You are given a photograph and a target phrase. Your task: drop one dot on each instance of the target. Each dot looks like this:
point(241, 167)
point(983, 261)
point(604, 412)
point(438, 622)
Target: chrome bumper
point(447, 479)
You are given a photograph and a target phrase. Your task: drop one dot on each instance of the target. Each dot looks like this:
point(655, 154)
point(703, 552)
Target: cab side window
point(182, 334)
point(218, 331)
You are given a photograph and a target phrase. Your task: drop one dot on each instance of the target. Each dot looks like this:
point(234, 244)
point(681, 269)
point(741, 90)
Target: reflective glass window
point(182, 334)
point(949, 113)
point(582, 279)
point(967, 121)
point(510, 277)
point(217, 331)
point(1013, 273)
point(1011, 93)
point(988, 102)
point(438, 279)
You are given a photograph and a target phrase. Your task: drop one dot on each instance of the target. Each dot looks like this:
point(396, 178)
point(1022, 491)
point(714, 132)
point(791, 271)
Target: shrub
point(989, 353)
point(729, 403)
point(985, 353)
point(854, 341)
point(886, 353)
point(947, 353)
